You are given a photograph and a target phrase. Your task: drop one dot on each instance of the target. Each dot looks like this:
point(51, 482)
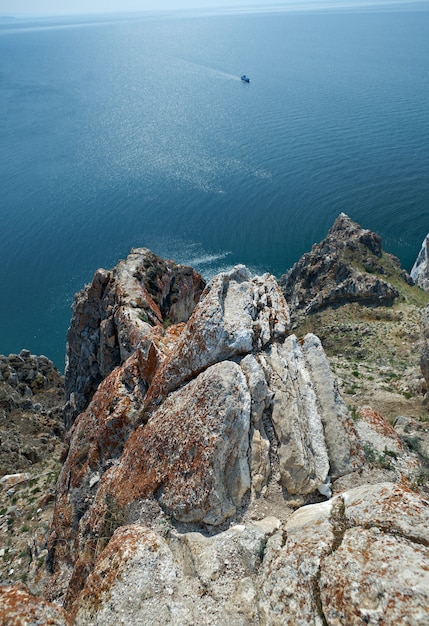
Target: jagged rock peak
point(345, 230)
point(420, 269)
point(112, 315)
point(345, 267)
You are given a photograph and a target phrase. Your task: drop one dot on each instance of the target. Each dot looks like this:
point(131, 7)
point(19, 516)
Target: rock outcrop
point(235, 412)
point(113, 314)
point(420, 270)
point(31, 406)
point(345, 267)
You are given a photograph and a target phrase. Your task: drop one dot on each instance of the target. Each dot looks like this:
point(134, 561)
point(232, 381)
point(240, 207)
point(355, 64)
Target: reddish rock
point(187, 418)
point(194, 449)
point(96, 440)
point(360, 558)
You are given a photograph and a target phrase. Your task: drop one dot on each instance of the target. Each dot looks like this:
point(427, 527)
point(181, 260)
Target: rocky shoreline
point(232, 451)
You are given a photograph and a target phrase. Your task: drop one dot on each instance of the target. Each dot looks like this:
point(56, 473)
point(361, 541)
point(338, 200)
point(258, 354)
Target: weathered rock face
point(116, 311)
point(201, 430)
point(357, 559)
point(188, 578)
point(31, 405)
point(228, 411)
point(420, 270)
point(344, 267)
point(237, 314)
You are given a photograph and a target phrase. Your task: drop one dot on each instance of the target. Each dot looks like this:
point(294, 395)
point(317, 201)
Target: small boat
point(245, 79)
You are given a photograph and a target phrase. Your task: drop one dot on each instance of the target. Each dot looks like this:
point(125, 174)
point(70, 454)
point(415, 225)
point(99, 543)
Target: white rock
point(303, 458)
point(420, 270)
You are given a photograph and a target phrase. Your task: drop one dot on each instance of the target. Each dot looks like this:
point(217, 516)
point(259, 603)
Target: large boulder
point(188, 578)
point(192, 452)
point(238, 314)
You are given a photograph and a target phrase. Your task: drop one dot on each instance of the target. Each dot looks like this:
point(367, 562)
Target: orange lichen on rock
point(18, 607)
point(378, 423)
point(189, 448)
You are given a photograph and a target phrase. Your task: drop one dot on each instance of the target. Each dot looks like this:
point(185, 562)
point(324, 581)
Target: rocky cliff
point(215, 473)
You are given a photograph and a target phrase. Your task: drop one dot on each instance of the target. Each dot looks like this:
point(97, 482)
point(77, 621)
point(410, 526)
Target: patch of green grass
point(166, 322)
point(377, 459)
point(412, 443)
point(391, 453)
point(354, 413)
point(422, 478)
point(262, 547)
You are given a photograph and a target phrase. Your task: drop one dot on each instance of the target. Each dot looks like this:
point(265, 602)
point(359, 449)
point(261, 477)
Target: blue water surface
point(137, 131)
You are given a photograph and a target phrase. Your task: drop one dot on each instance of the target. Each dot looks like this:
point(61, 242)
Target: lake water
point(138, 132)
